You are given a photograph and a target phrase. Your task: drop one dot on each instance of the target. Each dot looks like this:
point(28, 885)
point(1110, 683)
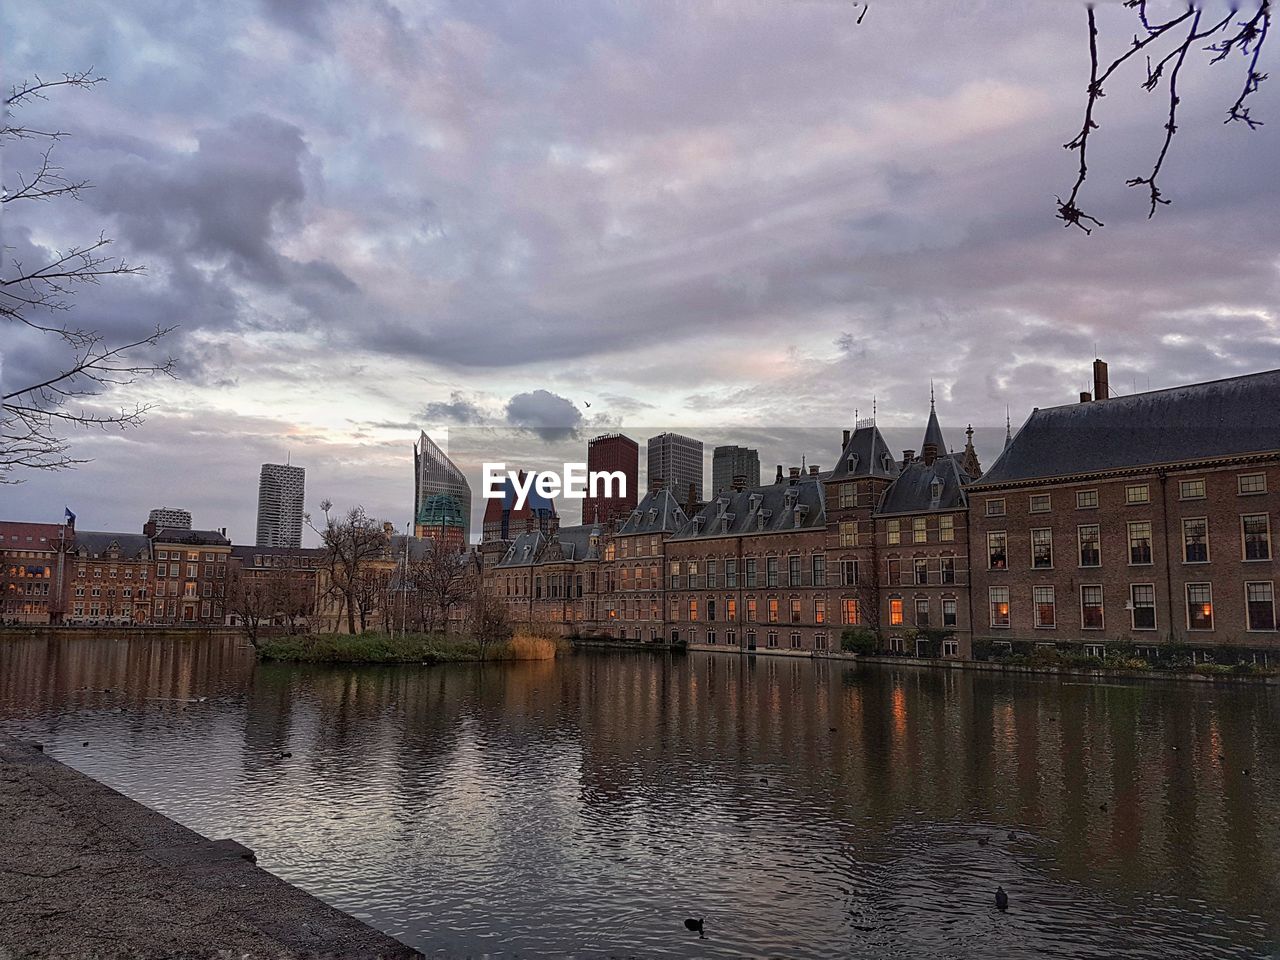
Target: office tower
point(280, 500)
point(171, 518)
point(613, 453)
point(436, 475)
point(676, 461)
point(731, 461)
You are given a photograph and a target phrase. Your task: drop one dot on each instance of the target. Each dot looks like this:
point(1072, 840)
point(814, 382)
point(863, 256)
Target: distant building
point(280, 500)
point(502, 521)
point(32, 570)
point(612, 452)
point(171, 517)
point(730, 462)
point(676, 461)
point(435, 474)
point(191, 576)
point(440, 520)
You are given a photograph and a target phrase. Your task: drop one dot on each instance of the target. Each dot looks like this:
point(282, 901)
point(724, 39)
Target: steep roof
point(571, 543)
point(913, 491)
point(776, 508)
point(524, 550)
point(1201, 421)
point(97, 542)
point(658, 512)
point(865, 455)
point(933, 433)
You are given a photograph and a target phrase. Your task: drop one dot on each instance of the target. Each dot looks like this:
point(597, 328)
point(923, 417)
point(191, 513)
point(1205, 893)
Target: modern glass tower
point(435, 475)
point(280, 500)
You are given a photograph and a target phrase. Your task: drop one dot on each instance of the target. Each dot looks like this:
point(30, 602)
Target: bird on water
point(694, 925)
point(1002, 899)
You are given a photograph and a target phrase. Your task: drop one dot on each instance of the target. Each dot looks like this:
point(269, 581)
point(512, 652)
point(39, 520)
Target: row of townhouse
point(1141, 520)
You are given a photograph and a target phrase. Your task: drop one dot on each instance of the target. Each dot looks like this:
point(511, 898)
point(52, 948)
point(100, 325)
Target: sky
point(734, 219)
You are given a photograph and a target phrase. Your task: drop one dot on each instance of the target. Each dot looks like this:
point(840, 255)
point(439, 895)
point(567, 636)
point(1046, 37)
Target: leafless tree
point(443, 584)
point(1165, 44)
point(253, 600)
point(487, 620)
point(351, 544)
point(36, 418)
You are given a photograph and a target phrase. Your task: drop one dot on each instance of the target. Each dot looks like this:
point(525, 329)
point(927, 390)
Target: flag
point(68, 515)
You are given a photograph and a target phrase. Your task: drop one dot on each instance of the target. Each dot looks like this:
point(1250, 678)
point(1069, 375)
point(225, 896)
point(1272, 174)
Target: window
point(1042, 548)
point(919, 532)
point(1195, 540)
point(771, 571)
point(951, 648)
point(1091, 607)
point(1250, 483)
point(1140, 542)
point(773, 609)
point(1046, 609)
point(793, 571)
point(948, 612)
point(921, 566)
point(999, 598)
point(1256, 530)
point(849, 573)
point(894, 569)
point(1142, 601)
point(711, 609)
point(948, 569)
point(846, 495)
point(795, 641)
point(848, 533)
point(693, 610)
point(1260, 604)
point(711, 575)
point(773, 639)
point(995, 508)
point(731, 609)
point(1199, 606)
point(1137, 493)
point(997, 555)
point(893, 534)
point(731, 573)
point(820, 641)
point(849, 610)
point(947, 528)
point(751, 572)
point(818, 565)
point(1090, 536)
point(751, 609)
point(1040, 503)
point(922, 611)
point(795, 609)
point(1191, 490)
point(1086, 499)
point(675, 574)
point(819, 609)
point(895, 612)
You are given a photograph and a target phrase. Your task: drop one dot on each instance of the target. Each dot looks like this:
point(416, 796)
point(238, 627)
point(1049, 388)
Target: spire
point(1008, 427)
point(934, 445)
point(931, 394)
point(969, 461)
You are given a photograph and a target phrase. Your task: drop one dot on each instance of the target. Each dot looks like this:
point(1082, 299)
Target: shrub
point(861, 642)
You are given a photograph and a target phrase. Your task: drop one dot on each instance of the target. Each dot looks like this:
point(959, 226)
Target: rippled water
point(587, 806)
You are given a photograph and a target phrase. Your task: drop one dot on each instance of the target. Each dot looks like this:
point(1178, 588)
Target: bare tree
point(442, 582)
point(487, 620)
point(1165, 45)
point(350, 544)
point(37, 417)
point(253, 600)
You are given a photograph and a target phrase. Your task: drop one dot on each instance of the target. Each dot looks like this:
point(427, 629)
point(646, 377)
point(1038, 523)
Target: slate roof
point(194, 537)
point(1201, 421)
point(96, 543)
point(572, 543)
point(912, 492)
point(524, 550)
point(658, 512)
point(784, 506)
point(870, 457)
point(933, 433)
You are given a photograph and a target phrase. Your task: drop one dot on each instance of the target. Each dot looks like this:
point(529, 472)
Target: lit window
point(1199, 606)
point(946, 529)
point(773, 609)
point(849, 610)
point(919, 533)
point(1086, 499)
point(895, 612)
point(1045, 607)
point(795, 610)
point(819, 609)
point(893, 532)
point(1191, 490)
point(1091, 607)
point(848, 533)
point(999, 597)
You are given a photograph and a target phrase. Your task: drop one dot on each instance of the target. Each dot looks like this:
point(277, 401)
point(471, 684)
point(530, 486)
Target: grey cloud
point(548, 415)
point(459, 409)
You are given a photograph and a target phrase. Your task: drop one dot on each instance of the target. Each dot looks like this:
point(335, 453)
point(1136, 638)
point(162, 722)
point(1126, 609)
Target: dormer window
point(853, 462)
point(889, 463)
point(935, 491)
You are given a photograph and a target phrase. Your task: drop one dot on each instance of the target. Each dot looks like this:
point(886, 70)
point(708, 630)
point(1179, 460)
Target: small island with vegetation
point(375, 647)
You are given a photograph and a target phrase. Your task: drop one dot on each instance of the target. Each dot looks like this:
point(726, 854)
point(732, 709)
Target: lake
point(586, 806)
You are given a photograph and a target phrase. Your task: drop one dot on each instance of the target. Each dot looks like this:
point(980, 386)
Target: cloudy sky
point(740, 217)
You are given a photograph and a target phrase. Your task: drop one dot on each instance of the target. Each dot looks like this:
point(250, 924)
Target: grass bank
point(411, 648)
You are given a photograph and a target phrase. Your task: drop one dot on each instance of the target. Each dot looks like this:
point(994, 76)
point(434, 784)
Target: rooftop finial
point(1008, 426)
point(931, 393)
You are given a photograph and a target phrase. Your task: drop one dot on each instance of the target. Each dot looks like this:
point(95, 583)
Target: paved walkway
point(85, 872)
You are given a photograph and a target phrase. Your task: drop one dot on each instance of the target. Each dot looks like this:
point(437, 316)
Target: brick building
point(190, 581)
point(631, 604)
point(108, 579)
point(1143, 520)
point(612, 452)
point(32, 573)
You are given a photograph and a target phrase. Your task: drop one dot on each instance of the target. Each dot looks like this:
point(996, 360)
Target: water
point(586, 806)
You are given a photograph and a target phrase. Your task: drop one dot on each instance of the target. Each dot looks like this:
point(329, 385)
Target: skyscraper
point(730, 462)
point(173, 518)
point(676, 461)
point(280, 504)
point(612, 452)
point(436, 475)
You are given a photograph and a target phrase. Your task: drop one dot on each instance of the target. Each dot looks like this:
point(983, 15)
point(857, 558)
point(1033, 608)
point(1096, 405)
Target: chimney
point(778, 478)
point(845, 442)
point(1085, 396)
point(655, 484)
point(794, 475)
point(1101, 389)
point(813, 469)
point(929, 453)
point(388, 529)
point(739, 483)
point(149, 528)
point(907, 457)
point(530, 522)
point(553, 525)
